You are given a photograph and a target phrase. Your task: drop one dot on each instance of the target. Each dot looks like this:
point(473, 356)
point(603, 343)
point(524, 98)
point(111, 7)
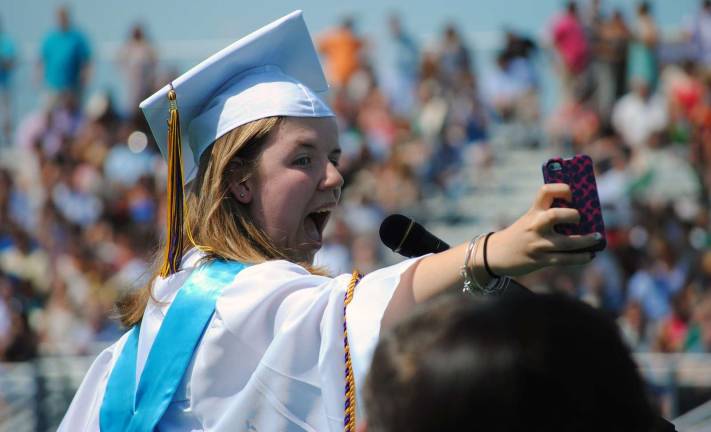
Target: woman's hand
point(527, 245)
point(530, 243)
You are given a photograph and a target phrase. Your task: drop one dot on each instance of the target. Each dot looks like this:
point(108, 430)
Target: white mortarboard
point(274, 71)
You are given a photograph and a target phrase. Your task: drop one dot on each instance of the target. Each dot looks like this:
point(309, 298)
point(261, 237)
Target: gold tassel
point(174, 218)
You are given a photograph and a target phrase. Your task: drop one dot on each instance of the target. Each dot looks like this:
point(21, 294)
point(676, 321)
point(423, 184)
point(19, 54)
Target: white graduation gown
point(271, 358)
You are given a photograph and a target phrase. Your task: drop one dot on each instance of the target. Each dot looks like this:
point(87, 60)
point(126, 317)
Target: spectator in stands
point(6, 184)
point(699, 337)
point(642, 56)
point(521, 50)
point(659, 278)
point(6, 316)
point(455, 59)
point(432, 107)
point(699, 33)
point(510, 92)
point(342, 51)
point(138, 60)
point(63, 329)
point(374, 118)
point(64, 59)
point(334, 255)
point(401, 80)
point(7, 65)
point(685, 91)
point(673, 330)
point(574, 124)
point(571, 47)
point(639, 114)
point(502, 88)
point(542, 363)
point(592, 17)
point(18, 342)
point(72, 196)
point(703, 277)
point(610, 61)
point(26, 261)
point(633, 327)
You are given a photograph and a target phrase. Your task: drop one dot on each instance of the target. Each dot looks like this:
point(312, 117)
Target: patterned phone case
point(578, 173)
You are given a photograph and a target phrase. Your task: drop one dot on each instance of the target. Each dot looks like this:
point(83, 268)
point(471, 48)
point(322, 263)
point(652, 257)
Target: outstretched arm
point(527, 245)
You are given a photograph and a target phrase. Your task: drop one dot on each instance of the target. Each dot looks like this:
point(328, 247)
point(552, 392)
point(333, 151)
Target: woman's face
point(296, 184)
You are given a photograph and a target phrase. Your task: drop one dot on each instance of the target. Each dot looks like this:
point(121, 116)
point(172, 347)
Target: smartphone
point(577, 172)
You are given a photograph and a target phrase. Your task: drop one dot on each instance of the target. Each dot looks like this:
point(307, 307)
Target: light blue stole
point(126, 408)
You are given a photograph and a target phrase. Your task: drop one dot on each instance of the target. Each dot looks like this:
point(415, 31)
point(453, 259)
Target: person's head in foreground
point(540, 363)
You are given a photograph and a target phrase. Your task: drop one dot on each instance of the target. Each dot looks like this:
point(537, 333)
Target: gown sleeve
point(364, 315)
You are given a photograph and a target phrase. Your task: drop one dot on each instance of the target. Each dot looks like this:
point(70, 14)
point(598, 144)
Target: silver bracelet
point(494, 287)
point(470, 281)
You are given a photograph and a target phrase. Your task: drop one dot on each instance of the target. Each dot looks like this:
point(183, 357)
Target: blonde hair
point(219, 225)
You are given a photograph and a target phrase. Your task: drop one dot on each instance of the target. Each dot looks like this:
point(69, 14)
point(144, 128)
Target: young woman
point(238, 331)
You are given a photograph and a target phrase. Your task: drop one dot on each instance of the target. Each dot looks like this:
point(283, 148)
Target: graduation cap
point(274, 71)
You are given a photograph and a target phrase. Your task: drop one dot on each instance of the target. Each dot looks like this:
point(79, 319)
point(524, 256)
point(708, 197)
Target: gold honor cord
point(349, 415)
point(174, 219)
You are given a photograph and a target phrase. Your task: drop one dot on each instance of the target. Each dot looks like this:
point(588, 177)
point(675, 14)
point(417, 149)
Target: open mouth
point(320, 218)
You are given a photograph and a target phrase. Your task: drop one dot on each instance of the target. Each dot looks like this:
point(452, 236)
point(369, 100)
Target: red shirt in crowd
point(569, 40)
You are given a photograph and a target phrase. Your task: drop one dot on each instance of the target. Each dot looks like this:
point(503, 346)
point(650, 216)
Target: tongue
point(311, 230)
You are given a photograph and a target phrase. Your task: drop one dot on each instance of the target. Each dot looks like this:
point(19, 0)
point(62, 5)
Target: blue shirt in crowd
point(64, 54)
point(654, 291)
point(7, 54)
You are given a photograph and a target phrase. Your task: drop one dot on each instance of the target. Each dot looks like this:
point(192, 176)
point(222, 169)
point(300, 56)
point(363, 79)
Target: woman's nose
point(333, 178)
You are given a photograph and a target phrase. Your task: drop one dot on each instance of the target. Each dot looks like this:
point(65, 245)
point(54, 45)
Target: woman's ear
point(241, 191)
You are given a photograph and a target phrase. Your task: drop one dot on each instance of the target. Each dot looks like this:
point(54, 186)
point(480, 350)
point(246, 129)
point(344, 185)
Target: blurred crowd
point(82, 183)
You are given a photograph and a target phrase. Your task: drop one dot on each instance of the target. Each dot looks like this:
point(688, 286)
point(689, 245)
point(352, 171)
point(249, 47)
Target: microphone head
point(393, 230)
point(408, 238)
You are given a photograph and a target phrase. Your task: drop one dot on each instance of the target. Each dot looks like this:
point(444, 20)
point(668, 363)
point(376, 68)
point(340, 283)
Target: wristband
point(486, 261)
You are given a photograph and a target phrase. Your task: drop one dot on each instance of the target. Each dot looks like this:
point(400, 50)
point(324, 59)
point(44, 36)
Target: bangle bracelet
point(469, 281)
point(496, 286)
point(472, 273)
point(486, 261)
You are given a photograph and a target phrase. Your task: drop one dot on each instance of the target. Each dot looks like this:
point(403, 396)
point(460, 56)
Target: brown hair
point(220, 225)
point(503, 363)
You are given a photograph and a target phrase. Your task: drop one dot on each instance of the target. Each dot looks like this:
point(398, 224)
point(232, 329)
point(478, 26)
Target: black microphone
point(408, 238)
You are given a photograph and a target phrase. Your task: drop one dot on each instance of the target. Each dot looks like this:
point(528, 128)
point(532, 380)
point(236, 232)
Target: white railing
point(35, 395)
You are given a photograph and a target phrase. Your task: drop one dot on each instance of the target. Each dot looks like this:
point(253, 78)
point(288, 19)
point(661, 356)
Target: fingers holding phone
point(563, 226)
point(577, 173)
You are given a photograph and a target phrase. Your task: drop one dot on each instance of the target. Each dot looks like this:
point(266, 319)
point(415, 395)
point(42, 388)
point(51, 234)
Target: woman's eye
point(303, 161)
